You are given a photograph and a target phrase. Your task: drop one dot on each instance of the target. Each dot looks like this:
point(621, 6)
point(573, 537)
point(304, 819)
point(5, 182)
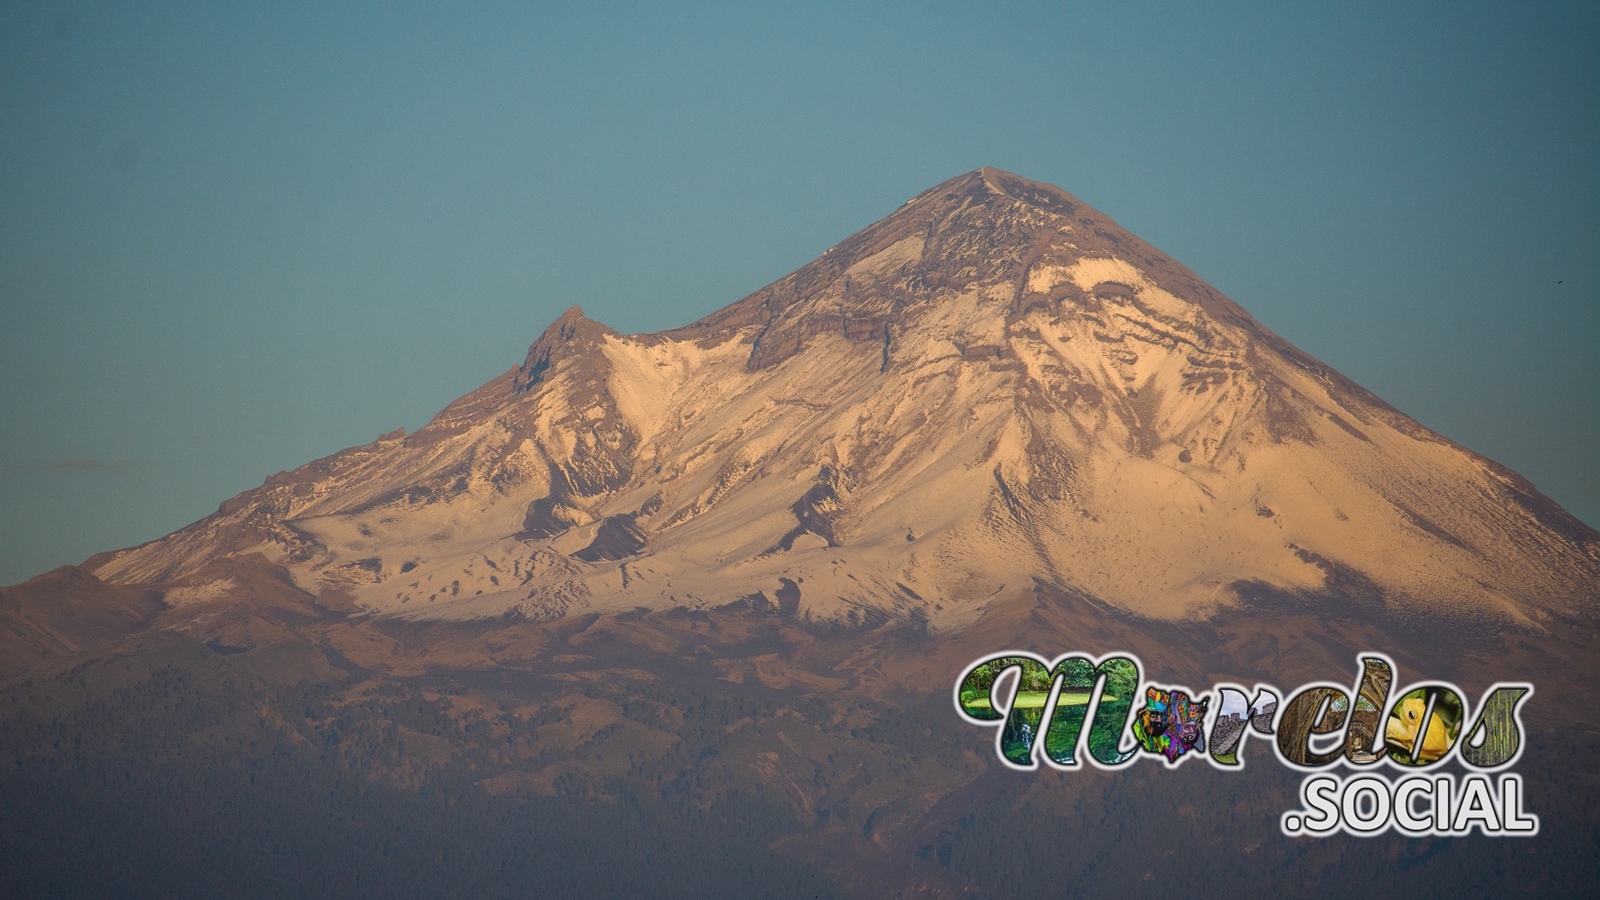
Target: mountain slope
point(992, 388)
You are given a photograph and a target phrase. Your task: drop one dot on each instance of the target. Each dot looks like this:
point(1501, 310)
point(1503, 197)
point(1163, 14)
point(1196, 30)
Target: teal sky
point(237, 237)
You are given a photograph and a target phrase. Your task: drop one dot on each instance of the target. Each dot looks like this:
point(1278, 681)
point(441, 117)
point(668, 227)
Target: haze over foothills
point(234, 240)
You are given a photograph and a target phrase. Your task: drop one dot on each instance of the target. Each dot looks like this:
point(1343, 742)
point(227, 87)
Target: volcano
point(679, 614)
point(993, 387)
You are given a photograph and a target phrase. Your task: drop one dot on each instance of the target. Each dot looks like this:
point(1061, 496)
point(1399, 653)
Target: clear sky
point(236, 237)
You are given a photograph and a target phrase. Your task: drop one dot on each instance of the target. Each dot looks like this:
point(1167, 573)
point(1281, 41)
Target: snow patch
point(1089, 272)
point(901, 252)
point(199, 593)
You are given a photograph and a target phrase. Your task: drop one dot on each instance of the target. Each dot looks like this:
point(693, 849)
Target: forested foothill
point(178, 769)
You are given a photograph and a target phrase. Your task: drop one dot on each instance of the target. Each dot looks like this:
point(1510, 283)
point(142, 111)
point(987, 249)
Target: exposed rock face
point(992, 388)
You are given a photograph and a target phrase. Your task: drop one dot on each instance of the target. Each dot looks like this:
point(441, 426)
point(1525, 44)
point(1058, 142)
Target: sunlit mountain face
point(681, 612)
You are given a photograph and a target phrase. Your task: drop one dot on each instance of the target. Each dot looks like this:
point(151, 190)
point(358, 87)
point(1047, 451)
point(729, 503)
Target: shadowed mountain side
point(65, 612)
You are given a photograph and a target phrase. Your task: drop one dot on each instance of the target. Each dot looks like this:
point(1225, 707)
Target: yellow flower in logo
point(1402, 730)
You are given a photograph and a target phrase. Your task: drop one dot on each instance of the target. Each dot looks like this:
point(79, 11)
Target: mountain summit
point(993, 389)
